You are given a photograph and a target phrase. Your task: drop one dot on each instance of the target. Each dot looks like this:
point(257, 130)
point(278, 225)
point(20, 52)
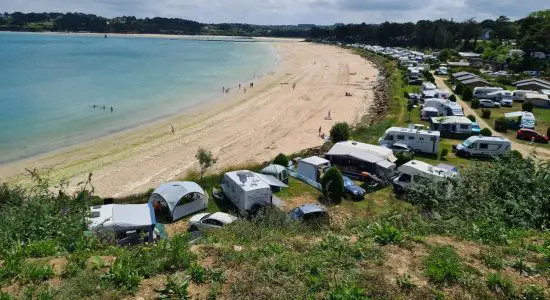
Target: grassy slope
point(379, 247)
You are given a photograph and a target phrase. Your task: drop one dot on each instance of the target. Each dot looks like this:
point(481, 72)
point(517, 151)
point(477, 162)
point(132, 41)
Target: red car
point(528, 134)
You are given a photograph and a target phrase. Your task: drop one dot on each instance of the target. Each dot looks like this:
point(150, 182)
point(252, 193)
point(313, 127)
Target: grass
point(500, 284)
point(297, 188)
point(443, 265)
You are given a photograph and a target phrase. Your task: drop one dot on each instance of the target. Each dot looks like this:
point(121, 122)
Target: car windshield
point(296, 213)
point(467, 142)
point(347, 181)
point(205, 217)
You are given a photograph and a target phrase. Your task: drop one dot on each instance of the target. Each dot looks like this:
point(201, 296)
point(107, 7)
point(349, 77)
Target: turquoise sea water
point(49, 84)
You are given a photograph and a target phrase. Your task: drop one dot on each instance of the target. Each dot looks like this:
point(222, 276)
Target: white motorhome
point(481, 92)
point(418, 172)
point(443, 94)
point(428, 86)
point(246, 190)
point(506, 98)
point(484, 146)
point(421, 141)
point(445, 107)
point(312, 167)
point(451, 124)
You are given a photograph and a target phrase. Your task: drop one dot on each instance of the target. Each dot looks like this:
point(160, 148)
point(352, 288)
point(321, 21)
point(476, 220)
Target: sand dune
point(240, 127)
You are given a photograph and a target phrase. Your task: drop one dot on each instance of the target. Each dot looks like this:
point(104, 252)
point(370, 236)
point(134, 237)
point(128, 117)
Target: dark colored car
point(529, 134)
point(350, 188)
point(310, 213)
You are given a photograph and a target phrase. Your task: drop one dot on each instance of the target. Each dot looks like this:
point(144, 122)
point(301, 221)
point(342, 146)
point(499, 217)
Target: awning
point(272, 181)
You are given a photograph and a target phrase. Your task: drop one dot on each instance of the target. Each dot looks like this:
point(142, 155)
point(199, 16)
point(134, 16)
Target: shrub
point(486, 132)
point(533, 292)
point(333, 185)
point(467, 94)
point(35, 272)
point(472, 118)
point(281, 159)
point(453, 98)
point(527, 106)
point(206, 160)
point(475, 103)
point(486, 113)
point(459, 89)
point(443, 265)
point(516, 154)
point(347, 292)
point(500, 284)
point(123, 274)
point(492, 261)
point(444, 153)
point(386, 234)
point(501, 124)
point(175, 288)
point(340, 132)
point(405, 283)
point(198, 273)
point(403, 157)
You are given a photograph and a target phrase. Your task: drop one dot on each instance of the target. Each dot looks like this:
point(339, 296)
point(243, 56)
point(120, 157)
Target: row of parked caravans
point(506, 98)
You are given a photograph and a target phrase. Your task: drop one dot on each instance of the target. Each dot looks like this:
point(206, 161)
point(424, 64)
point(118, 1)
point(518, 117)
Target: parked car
point(310, 213)
point(350, 188)
point(485, 103)
point(398, 147)
point(506, 102)
point(529, 134)
point(476, 130)
point(207, 221)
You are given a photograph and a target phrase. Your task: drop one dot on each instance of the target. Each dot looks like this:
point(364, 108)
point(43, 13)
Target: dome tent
point(174, 200)
point(276, 171)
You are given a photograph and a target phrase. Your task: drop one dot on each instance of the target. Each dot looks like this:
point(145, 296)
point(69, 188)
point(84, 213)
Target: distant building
point(532, 84)
point(476, 82)
point(458, 64)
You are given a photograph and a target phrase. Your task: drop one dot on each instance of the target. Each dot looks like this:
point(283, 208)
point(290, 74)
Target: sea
point(53, 87)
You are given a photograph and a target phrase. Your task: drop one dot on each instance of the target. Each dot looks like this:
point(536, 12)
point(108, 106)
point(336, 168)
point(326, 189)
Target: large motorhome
point(246, 190)
point(421, 141)
point(417, 172)
point(481, 92)
point(483, 146)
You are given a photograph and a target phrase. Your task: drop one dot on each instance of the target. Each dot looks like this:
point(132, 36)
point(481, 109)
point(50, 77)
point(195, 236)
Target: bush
point(443, 265)
point(486, 132)
point(467, 94)
point(198, 273)
point(533, 292)
point(501, 124)
point(475, 103)
point(527, 106)
point(124, 274)
point(500, 284)
point(403, 157)
point(516, 154)
point(459, 89)
point(387, 234)
point(175, 288)
point(492, 261)
point(333, 185)
point(347, 292)
point(453, 98)
point(486, 113)
point(34, 272)
point(444, 153)
point(472, 118)
point(281, 159)
point(340, 132)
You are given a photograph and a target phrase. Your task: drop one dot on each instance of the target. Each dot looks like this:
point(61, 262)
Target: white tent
point(121, 217)
point(174, 200)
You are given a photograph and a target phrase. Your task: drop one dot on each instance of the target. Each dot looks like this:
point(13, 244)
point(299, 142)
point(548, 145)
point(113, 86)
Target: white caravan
point(484, 146)
point(481, 92)
point(445, 107)
point(312, 167)
point(421, 141)
point(505, 98)
point(451, 124)
point(418, 172)
point(246, 190)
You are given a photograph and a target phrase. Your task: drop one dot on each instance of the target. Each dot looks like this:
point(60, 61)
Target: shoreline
point(270, 118)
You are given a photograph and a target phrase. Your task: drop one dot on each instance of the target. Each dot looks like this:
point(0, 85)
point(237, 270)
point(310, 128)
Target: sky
point(322, 12)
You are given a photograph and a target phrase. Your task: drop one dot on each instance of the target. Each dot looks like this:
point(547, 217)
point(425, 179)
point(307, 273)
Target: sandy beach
point(269, 118)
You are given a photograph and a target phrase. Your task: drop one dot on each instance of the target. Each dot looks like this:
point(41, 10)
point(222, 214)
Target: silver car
point(486, 103)
point(207, 221)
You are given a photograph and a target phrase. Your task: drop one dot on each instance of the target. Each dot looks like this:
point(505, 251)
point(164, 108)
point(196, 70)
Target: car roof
point(310, 208)
point(222, 217)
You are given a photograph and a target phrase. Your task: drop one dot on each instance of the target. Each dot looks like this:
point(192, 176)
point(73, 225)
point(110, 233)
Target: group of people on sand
point(321, 134)
point(102, 107)
point(226, 91)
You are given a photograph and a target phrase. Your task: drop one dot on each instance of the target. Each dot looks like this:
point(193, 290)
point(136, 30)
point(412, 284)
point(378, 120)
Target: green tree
point(206, 160)
point(444, 153)
point(340, 132)
point(453, 98)
point(333, 186)
point(501, 124)
point(486, 113)
point(527, 106)
point(475, 103)
point(471, 117)
point(410, 107)
point(486, 132)
point(281, 159)
point(467, 94)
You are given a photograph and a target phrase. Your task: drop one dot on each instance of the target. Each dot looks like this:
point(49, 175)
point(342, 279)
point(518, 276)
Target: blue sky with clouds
point(288, 11)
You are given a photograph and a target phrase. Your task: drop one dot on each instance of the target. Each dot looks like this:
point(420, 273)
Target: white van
point(421, 141)
point(418, 172)
point(484, 146)
point(480, 92)
point(246, 190)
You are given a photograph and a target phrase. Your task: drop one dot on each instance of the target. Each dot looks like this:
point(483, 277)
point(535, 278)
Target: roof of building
point(426, 168)
point(532, 80)
point(412, 130)
point(466, 77)
point(469, 54)
point(362, 151)
point(458, 63)
point(536, 96)
point(458, 74)
point(537, 83)
point(314, 160)
point(451, 120)
point(477, 79)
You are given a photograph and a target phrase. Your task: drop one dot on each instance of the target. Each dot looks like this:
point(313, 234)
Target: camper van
point(483, 146)
point(246, 190)
point(418, 172)
point(445, 107)
point(421, 141)
point(480, 92)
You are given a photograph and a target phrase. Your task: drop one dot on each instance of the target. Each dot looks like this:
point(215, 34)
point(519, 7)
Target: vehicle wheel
point(193, 228)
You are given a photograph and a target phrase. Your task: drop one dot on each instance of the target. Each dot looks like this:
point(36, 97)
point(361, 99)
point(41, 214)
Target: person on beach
point(251, 84)
point(293, 86)
point(93, 106)
point(329, 114)
point(239, 86)
point(320, 128)
point(173, 130)
point(112, 109)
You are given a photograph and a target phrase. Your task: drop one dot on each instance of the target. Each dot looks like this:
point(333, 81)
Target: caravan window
point(411, 137)
point(405, 178)
point(400, 137)
point(389, 137)
point(188, 199)
point(463, 126)
point(483, 146)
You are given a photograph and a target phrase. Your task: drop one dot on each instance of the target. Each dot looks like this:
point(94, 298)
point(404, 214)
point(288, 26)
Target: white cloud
point(288, 11)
